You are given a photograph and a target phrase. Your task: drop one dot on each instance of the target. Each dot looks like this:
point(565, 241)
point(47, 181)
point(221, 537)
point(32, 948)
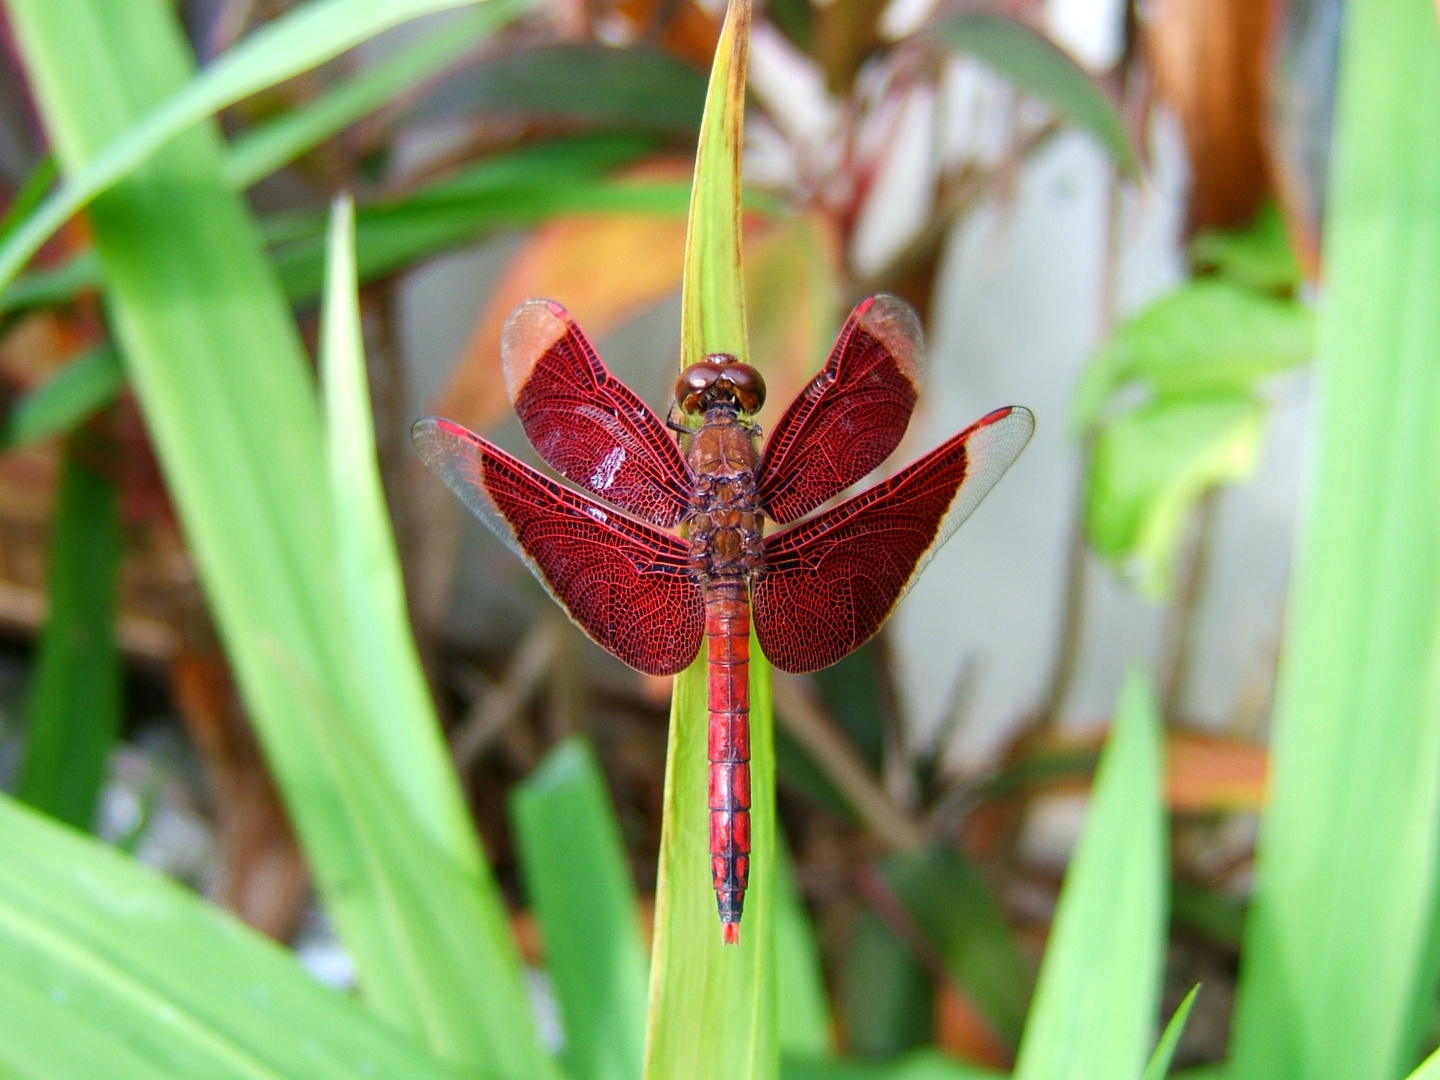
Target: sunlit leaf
point(72, 711)
point(1341, 941)
point(712, 1006)
point(1039, 67)
point(1152, 465)
point(1098, 994)
point(108, 970)
point(1258, 257)
point(793, 294)
point(1207, 335)
point(229, 400)
point(300, 39)
point(260, 151)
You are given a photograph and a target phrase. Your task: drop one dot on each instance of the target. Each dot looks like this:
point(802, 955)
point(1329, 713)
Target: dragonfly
point(677, 556)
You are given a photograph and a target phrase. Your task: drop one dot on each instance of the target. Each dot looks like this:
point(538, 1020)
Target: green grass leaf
point(1159, 1065)
point(1429, 1069)
point(713, 1011)
point(1098, 993)
point(592, 86)
point(919, 1065)
point(217, 365)
point(72, 395)
point(262, 150)
point(578, 881)
point(72, 710)
point(712, 1006)
point(955, 911)
point(389, 667)
point(295, 42)
point(1037, 66)
point(108, 970)
point(1152, 465)
point(885, 997)
point(1340, 956)
point(712, 300)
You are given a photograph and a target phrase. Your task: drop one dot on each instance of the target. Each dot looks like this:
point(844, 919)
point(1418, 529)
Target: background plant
point(171, 324)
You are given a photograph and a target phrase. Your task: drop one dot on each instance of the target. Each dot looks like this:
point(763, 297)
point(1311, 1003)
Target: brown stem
point(808, 722)
point(1180, 624)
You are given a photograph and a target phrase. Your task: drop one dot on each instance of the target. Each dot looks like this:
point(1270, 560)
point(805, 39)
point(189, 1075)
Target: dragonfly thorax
point(724, 524)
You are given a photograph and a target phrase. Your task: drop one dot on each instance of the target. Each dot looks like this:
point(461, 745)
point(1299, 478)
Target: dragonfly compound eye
point(720, 377)
point(748, 386)
point(694, 389)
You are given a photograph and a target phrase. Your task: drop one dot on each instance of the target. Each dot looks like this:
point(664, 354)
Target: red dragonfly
point(684, 558)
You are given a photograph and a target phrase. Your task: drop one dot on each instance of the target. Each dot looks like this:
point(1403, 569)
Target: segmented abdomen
point(727, 639)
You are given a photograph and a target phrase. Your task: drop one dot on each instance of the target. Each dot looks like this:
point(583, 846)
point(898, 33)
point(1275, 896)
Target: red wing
point(850, 417)
point(588, 425)
point(830, 582)
point(626, 583)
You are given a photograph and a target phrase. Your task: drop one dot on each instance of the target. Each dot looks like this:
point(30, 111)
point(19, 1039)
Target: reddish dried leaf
point(1209, 58)
point(605, 270)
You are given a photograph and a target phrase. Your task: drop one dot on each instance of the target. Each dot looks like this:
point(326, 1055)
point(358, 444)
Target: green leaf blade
point(73, 394)
point(1099, 988)
point(107, 969)
point(297, 41)
point(73, 708)
point(579, 883)
point(1036, 65)
point(218, 367)
point(1340, 944)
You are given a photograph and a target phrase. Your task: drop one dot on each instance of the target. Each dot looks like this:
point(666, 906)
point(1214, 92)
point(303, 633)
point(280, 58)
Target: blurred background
point(1107, 212)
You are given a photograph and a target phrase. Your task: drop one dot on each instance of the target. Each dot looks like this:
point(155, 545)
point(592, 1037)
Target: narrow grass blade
point(73, 708)
point(72, 395)
point(219, 370)
point(578, 881)
point(591, 86)
point(1340, 947)
point(41, 177)
point(712, 1007)
point(262, 150)
point(389, 666)
point(1429, 1069)
point(1099, 988)
point(712, 299)
point(1159, 1066)
point(804, 1013)
point(108, 970)
point(1036, 65)
point(293, 43)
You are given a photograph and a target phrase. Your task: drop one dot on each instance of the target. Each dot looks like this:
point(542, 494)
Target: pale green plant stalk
point(712, 1007)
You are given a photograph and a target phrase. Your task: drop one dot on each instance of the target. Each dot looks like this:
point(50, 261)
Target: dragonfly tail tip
point(730, 933)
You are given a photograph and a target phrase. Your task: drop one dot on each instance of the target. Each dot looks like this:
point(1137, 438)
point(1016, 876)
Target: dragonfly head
point(716, 379)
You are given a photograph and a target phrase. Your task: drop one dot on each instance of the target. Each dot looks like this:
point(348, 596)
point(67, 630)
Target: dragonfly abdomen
point(727, 641)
